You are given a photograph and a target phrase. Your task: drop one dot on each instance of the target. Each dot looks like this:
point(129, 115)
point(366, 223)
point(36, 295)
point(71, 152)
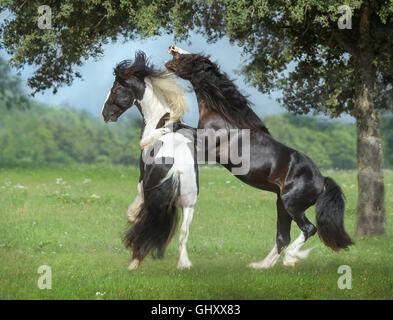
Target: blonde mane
point(165, 85)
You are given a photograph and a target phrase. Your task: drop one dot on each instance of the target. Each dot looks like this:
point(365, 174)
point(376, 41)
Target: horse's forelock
point(139, 67)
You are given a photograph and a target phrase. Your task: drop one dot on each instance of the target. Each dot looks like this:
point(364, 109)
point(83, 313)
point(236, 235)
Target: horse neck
point(216, 120)
point(152, 107)
point(207, 117)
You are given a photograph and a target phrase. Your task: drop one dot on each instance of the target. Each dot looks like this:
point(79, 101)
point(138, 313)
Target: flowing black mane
point(139, 67)
point(222, 95)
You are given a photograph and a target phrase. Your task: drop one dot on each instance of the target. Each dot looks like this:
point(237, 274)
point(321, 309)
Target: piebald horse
point(170, 176)
point(273, 166)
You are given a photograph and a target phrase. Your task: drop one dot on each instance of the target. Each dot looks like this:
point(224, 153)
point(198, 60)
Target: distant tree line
point(62, 135)
point(43, 134)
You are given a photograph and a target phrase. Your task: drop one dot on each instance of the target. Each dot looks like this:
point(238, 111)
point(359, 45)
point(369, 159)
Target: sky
point(89, 93)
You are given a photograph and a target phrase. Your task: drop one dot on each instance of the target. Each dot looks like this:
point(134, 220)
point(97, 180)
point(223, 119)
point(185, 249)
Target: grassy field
point(72, 220)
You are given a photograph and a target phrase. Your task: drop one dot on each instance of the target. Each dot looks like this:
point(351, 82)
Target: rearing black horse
point(273, 166)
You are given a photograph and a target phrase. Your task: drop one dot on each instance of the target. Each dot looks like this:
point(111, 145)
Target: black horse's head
point(185, 65)
point(128, 87)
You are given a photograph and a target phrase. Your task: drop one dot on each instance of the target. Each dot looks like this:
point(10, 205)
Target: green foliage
point(79, 30)
point(297, 46)
point(63, 135)
point(328, 144)
point(11, 93)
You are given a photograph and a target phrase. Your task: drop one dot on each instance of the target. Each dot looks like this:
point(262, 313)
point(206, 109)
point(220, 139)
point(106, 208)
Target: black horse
point(273, 166)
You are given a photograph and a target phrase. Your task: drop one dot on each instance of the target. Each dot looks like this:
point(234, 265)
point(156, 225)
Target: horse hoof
point(184, 265)
point(291, 264)
point(258, 265)
point(133, 265)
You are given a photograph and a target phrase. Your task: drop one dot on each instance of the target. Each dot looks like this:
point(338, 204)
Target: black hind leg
point(283, 238)
point(305, 225)
point(293, 253)
point(284, 220)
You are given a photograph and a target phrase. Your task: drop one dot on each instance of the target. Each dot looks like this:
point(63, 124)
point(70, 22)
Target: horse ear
point(140, 64)
point(140, 57)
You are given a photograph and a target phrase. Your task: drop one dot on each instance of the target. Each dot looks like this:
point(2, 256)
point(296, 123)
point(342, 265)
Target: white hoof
point(131, 218)
point(303, 254)
point(291, 257)
point(268, 262)
point(261, 265)
point(184, 264)
point(134, 264)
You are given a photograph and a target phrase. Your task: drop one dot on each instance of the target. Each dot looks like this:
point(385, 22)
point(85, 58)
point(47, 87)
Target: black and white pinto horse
point(273, 166)
point(170, 177)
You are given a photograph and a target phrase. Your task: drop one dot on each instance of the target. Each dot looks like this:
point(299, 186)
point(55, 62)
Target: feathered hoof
point(134, 264)
point(184, 265)
point(290, 264)
point(260, 265)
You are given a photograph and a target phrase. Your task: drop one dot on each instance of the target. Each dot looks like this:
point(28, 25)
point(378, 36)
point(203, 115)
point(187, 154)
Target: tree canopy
point(277, 35)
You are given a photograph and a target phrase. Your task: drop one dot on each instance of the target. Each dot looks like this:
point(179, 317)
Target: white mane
point(166, 87)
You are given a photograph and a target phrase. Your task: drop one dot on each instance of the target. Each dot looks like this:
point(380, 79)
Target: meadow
point(72, 219)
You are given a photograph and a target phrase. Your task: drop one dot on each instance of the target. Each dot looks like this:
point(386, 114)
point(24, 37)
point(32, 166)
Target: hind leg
point(132, 212)
point(283, 238)
point(135, 207)
point(184, 262)
point(293, 253)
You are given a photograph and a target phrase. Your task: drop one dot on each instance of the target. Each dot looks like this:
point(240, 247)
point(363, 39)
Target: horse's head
point(185, 64)
point(128, 87)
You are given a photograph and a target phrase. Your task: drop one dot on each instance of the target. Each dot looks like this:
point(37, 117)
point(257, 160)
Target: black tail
point(156, 222)
point(330, 208)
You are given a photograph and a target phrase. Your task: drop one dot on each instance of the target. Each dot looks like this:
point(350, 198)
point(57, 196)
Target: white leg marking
point(134, 264)
point(184, 262)
point(135, 207)
point(293, 252)
point(268, 262)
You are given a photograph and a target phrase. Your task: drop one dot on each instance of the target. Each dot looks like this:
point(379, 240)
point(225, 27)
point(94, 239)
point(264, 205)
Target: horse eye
point(115, 91)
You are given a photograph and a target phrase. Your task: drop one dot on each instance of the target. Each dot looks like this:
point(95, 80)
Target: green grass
point(75, 226)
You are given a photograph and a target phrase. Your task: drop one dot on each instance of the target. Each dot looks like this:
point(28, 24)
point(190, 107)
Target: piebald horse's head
point(128, 87)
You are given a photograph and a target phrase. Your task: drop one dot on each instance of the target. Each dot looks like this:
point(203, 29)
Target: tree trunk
point(371, 193)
